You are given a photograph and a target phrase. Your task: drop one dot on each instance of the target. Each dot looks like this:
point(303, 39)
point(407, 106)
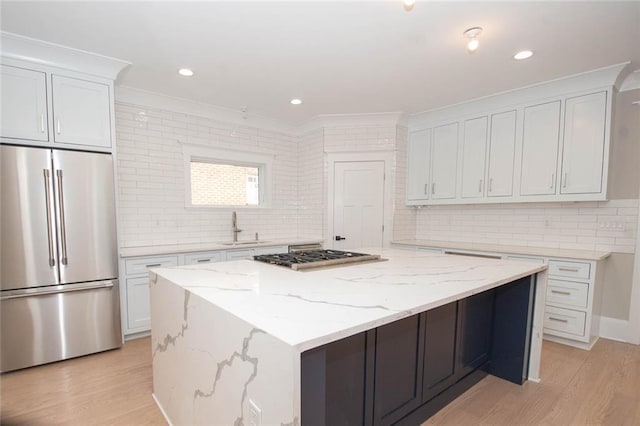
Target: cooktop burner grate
point(315, 258)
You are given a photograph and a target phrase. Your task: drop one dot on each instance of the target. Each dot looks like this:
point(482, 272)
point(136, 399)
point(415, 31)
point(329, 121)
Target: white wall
point(151, 179)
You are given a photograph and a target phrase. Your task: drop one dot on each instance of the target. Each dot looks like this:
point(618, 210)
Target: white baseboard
point(614, 329)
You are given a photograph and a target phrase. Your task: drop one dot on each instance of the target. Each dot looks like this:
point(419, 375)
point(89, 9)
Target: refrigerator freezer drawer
point(58, 322)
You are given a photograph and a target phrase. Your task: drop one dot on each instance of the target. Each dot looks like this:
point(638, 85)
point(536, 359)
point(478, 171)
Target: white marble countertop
point(497, 248)
point(195, 247)
point(312, 308)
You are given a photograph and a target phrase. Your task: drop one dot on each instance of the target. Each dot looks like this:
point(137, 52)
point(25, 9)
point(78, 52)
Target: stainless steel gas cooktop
point(315, 258)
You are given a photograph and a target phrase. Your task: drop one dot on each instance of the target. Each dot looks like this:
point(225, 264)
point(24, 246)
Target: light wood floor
point(114, 388)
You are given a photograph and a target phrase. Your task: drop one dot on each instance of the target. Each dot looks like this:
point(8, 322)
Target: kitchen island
point(248, 343)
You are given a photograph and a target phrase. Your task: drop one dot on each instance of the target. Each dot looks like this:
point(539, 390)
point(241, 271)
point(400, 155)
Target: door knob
point(338, 238)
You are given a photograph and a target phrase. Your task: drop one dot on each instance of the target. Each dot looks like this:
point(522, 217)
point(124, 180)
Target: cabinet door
point(474, 149)
point(23, 98)
point(444, 158)
point(398, 369)
point(475, 323)
point(81, 112)
point(138, 311)
point(583, 149)
point(439, 350)
point(540, 149)
point(502, 145)
point(418, 162)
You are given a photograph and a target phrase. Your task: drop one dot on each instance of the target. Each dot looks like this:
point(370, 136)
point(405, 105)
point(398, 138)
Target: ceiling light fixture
point(408, 4)
point(296, 101)
point(523, 54)
point(472, 34)
point(185, 72)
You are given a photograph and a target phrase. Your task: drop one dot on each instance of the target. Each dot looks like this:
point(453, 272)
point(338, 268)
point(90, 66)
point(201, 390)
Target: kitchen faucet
point(234, 221)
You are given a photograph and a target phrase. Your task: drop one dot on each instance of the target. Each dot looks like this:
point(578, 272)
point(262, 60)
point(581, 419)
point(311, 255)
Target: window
point(225, 178)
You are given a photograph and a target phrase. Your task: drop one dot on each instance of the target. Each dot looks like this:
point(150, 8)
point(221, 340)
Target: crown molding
point(28, 49)
point(609, 76)
point(139, 97)
point(353, 120)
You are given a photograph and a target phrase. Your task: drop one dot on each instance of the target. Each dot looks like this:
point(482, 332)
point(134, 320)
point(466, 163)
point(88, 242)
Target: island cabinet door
point(399, 354)
point(475, 324)
point(439, 350)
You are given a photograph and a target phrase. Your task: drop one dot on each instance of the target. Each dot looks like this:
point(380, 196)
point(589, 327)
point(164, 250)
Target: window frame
point(197, 153)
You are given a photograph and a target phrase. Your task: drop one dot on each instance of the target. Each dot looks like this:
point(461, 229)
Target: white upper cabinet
point(474, 149)
point(540, 149)
point(23, 97)
point(444, 158)
point(502, 145)
point(418, 164)
point(81, 112)
point(584, 144)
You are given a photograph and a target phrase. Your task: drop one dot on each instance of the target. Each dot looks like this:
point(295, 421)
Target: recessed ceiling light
point(185, 72)
point(408, 4)
point(523, 54)
point(296, 101)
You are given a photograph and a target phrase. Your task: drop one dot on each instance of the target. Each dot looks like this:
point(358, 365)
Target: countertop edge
point(520, 250)
point(169, 249)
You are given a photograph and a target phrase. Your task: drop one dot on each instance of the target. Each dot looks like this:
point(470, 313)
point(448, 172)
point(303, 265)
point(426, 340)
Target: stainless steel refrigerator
point(58, 260)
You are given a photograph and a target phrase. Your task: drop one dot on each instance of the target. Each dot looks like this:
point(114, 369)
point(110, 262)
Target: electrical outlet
point(255, 414)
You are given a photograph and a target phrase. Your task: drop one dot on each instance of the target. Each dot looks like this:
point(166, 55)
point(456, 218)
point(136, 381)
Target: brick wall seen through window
point(214, 184)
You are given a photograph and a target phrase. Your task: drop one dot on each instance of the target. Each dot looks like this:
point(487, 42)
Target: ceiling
point(338, 57)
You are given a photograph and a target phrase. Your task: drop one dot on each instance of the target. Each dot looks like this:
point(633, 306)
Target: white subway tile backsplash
point(584, 226)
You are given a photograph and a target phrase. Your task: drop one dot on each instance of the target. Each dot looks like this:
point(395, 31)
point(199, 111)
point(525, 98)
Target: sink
point(241, 243)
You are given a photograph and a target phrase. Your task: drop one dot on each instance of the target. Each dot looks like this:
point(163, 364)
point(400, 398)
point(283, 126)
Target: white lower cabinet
point(135, 296)
point(137, 290)
point(573, 298)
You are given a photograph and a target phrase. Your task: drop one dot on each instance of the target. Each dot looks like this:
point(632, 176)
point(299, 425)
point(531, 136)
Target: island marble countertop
point(194, 247)
point(498, 248)
point(312, 308)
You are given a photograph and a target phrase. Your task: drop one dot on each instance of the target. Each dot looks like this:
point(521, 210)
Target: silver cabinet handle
point(426, 188)
point(558, 320)
point(564, 293)
point(58, 125)
point(480, 186)
point(63, 226)
point(564, 180)
point(203, 260)
point(433, 188)
point(553, 178)
point(153, 265)
point(490, 184)
point(47, 199)
point(568, 269)
point(41, 123)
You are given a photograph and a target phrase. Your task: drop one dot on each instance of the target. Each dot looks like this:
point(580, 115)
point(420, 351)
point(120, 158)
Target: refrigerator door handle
point(63, 227)
point(28, 292)
point(47, 198)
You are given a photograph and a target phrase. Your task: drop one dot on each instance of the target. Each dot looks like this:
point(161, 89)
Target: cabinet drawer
point(567, 293)
point(569, 269)
point(140, 266)
point(240, 254)
point(208, 257)
point(564, 320)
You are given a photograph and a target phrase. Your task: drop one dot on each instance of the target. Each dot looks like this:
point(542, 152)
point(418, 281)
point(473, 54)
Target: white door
point(502, 144)
point(358, 209)
point(418, 164)
point(444, 158)
point(474, 149)
point(583, 151)
point(81, 112)
point(23, 99)
point(540, 149)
